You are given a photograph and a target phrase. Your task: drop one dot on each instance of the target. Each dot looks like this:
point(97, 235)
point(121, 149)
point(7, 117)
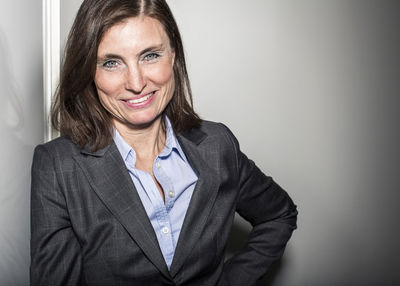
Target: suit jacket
point(89, 227)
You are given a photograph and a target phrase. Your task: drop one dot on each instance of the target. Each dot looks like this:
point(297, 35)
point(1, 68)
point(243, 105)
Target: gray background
point(311, 90)
point(21, 128)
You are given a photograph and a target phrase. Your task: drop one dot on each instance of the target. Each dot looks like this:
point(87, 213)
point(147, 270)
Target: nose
point(135, 80)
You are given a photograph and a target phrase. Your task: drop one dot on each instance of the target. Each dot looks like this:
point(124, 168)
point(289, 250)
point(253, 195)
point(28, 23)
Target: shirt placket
point(166, 231)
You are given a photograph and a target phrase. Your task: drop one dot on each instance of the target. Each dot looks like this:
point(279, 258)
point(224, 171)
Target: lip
point(142, 101)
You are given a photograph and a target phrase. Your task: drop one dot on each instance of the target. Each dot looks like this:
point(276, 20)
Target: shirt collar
point(171, 144)
point(124, 148)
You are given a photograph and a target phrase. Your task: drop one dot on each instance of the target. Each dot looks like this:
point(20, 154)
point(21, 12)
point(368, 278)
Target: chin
point(143, 121)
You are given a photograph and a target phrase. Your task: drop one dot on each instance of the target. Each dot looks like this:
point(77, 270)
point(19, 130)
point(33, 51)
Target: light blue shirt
point(177, 178)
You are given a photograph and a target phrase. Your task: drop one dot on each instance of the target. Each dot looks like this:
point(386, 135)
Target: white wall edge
point(51, 60)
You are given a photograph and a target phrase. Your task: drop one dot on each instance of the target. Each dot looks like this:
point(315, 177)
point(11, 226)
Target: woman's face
point(134, 73)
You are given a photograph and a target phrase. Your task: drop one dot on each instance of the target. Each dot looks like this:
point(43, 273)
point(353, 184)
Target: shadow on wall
point(11, 109)
point(238, 239)
point(14, 195)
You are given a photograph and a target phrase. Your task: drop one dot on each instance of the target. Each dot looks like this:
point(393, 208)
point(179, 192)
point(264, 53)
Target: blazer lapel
point(107, 174)
point(202, 200)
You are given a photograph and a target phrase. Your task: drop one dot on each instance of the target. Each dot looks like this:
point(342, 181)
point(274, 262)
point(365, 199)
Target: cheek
point(107, 101)
point(107, 84)
point(107, 89)
point(162, 75)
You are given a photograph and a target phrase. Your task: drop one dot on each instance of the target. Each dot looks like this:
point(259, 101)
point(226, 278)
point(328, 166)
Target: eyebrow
point(146, 50)
point(109, 56)
point(153, 48)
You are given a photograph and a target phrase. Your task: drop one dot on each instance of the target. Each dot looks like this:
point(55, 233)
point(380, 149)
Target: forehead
point(134, 33)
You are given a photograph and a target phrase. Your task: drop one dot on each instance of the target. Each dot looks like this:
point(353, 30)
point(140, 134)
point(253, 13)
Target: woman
point(139, 190)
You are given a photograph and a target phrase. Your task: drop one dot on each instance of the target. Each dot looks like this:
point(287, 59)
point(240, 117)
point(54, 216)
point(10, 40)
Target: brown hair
point(77, 111)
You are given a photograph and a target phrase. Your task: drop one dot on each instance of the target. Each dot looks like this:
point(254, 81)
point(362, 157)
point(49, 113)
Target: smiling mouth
point(140, 100)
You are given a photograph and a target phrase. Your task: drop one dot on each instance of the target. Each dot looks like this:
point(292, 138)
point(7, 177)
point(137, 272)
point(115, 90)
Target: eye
point(151, 57)
point(110, 64)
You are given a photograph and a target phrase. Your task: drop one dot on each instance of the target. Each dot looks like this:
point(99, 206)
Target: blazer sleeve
point(55, 251)
point(273, 216)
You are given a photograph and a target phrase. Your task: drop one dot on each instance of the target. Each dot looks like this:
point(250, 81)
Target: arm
point(55, 251)
point(273, 216)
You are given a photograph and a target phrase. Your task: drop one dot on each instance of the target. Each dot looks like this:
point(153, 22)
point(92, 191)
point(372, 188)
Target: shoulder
point(49, 154)
point(211, 135)
point(217, 131)
point(58, 147)
point(207, 129)
point(213, 128)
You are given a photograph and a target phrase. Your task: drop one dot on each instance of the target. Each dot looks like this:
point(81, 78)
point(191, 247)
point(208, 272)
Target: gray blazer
point(89, 227)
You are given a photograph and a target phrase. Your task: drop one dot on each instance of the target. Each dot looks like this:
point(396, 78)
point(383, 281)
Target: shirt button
point(165, 230)
point(158, 165)
point(171, 194)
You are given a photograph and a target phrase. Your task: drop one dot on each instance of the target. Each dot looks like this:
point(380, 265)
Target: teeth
point(142, 99)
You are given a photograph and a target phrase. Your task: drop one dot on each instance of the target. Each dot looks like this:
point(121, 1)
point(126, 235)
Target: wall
point(311, 89)
point(68, 8)
point(21, 128)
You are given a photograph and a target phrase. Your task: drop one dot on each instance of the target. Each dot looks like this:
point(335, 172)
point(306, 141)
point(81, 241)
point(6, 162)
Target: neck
point(147, 141)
